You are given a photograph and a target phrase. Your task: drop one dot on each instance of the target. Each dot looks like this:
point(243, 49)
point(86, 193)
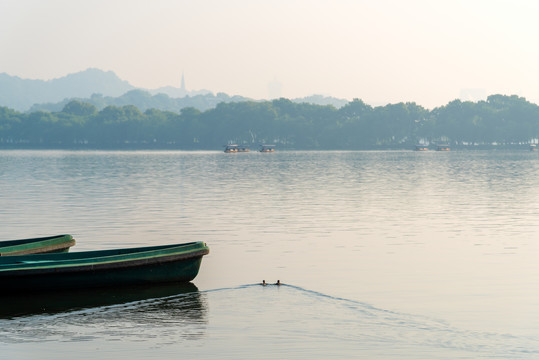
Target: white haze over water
point(429, 52)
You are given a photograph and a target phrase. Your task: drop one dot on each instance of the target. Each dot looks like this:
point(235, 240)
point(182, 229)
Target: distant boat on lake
point(267, 148)
point(421, 148)
point(231, 148)
point(236, 148)
point(533, 147)
point(443, 148)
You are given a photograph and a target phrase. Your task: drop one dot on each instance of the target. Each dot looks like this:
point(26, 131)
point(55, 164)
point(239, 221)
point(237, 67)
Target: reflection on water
point(15, 305)
point(130, 313)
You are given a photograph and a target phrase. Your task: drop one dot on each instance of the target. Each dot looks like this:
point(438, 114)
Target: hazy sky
point(378, 50)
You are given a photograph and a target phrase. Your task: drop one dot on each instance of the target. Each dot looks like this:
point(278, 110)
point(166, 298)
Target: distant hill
point(144, 100)
point(175, 92)
point(20, 94)
point(322, 100)
point(104, 88)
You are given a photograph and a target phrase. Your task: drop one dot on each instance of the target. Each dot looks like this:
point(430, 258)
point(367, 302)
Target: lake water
point(382, 255)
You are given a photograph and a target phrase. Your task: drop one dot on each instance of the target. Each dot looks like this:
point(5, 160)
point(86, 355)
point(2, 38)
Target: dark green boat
point(41, 245)
point(103, 268)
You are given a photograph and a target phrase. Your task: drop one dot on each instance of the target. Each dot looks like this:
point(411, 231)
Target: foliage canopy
point(498, 120)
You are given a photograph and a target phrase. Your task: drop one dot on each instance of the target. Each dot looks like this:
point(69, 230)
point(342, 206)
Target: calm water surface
point(384, 255)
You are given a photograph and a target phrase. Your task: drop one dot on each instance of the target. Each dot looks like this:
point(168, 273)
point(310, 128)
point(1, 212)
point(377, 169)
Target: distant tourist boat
point(40, 245)
point(102, 268)
point(443, 148)
point(231, 148)
point(421, 148)
point(533, 147)
point(236, 148)
point(267, 148)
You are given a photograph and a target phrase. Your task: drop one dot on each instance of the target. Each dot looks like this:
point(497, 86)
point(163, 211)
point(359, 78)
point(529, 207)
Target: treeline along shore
point(498, 121)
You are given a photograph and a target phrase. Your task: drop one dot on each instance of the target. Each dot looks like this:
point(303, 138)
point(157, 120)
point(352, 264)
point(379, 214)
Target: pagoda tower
point(183, 84)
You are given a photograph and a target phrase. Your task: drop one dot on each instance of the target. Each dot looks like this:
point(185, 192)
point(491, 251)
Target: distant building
point(275, 89)
point(182, 87)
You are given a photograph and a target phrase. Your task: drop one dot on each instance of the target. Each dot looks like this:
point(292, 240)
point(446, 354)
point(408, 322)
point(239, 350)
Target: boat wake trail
point(339, 323)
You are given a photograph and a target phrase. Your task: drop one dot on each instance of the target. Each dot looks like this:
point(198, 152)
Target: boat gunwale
point(40, 238)
point(56, 262)
point(55, 268)
point(36, 245)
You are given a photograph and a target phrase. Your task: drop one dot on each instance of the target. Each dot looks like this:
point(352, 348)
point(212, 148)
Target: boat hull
point(105, 268)
point(41, 245)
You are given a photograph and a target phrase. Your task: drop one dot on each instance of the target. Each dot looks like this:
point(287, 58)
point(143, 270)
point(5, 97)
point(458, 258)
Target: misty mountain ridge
point(104, 88)
point(20, 94)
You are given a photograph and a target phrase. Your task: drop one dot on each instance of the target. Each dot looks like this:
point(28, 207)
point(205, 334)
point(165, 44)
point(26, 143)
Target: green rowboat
point(103, 268)
point(41, 245)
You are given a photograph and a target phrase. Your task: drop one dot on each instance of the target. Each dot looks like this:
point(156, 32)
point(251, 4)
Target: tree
point(79, 108)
